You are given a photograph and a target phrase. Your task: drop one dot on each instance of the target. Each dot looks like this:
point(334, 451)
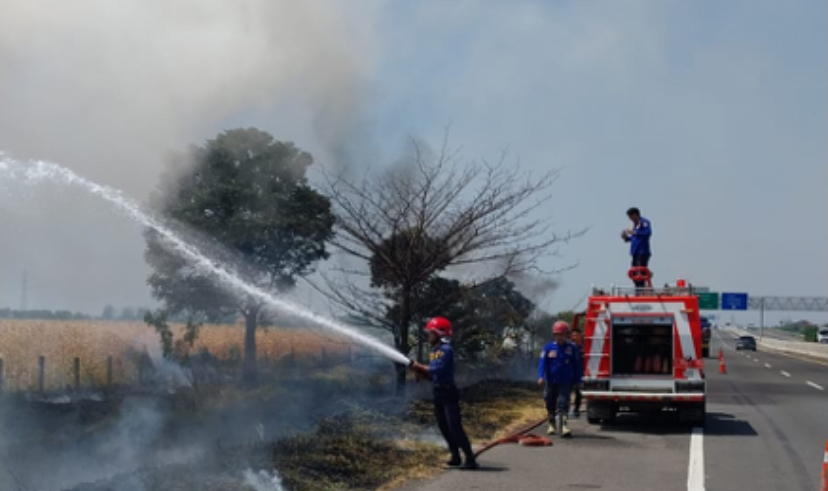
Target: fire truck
point(643, 353)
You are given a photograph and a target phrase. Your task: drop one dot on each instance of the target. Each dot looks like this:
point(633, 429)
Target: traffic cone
point(825, 470)
point(721, 355)
point(722, 368)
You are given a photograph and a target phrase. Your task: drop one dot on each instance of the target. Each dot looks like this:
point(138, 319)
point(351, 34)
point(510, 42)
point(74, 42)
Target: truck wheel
point(613, 410)
point(596, 411)
point(693, 415)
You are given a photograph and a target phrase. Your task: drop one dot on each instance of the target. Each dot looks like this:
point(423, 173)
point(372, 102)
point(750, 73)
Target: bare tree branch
point(435, 212)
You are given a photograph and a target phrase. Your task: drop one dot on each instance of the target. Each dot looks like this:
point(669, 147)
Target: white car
point(822, 336)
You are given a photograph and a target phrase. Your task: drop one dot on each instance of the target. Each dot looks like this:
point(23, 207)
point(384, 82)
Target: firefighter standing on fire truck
point(639, 239)
point(559, 368)
point(446, 396)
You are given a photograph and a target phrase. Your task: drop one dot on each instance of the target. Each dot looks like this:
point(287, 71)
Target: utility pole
point(762, 318)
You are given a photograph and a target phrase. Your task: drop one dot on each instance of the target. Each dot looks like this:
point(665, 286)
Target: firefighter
point(559, 368)
point(577, 339)
point(639, 239)
point(446, 396)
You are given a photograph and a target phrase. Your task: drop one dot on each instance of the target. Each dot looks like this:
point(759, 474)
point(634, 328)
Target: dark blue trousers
point(447, 412)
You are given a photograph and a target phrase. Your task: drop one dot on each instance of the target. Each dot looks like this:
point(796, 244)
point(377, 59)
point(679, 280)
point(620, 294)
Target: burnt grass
point(488, 407)
point(355, 449)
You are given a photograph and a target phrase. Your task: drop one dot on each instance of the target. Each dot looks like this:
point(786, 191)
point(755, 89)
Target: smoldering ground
point(139, 440)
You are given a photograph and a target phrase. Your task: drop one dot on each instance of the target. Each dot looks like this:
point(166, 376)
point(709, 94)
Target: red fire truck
point(643, 353)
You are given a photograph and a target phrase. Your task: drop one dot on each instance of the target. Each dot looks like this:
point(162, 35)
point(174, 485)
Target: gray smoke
point(111, 88)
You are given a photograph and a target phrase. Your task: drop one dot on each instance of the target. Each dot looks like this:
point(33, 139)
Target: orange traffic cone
point(722, 368)
point(721, 354)
point(825, 470)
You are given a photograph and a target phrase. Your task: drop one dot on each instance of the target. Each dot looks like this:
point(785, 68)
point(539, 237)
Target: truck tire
point(693, 414)
point(598, 412)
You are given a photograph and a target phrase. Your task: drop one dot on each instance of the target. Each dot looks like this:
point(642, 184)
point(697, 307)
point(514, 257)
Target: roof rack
point(633, 291)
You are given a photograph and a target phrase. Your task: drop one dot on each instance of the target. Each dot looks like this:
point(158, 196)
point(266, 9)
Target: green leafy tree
point(479, 313)
point(245, 198)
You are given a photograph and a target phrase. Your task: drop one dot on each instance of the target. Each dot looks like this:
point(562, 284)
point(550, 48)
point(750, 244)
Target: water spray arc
point(32, 172)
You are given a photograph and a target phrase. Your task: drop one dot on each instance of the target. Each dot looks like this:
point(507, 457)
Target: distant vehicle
point(746, 342)
point(822, 336)
point(706, 334)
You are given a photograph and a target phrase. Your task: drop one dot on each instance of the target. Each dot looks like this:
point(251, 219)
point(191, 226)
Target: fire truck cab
point(643, 353)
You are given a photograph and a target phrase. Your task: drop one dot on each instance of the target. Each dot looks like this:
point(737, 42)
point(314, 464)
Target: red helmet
point(560, 327)
point(440, 325)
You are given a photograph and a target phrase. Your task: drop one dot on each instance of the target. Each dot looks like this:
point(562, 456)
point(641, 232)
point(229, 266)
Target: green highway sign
point(708, 301)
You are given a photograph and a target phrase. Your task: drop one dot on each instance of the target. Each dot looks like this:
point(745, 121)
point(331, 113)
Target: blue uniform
point(640, 239)
point(561, 367)
point(560, 364)
point(441, 365)
point(576, 388)
point(447, 401)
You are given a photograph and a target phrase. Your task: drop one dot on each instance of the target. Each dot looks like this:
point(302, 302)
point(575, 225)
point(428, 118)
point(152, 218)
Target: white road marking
point(756, 360)
point(815, 386)
point(695, 469)
point(783, 372)
point(767, 365)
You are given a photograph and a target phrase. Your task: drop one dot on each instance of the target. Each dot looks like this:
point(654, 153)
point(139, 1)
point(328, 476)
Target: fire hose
point(520, 437)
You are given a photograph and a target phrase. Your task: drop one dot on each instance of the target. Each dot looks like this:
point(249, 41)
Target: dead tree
point(429, 213)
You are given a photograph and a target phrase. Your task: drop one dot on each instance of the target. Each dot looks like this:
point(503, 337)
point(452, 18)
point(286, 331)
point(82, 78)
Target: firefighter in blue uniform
point(639, 239)
point(559, 368)
point(577, 338)
point(446, 396)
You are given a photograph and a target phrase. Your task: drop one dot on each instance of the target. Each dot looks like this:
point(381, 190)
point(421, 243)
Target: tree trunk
point(402, 337)
point(249, 372)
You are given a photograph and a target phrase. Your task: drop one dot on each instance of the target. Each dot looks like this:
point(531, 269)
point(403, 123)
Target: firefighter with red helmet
point(559, 368)
point(446, 396)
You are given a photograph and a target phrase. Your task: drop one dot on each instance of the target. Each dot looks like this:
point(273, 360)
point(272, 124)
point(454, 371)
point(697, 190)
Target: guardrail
point(814, 350)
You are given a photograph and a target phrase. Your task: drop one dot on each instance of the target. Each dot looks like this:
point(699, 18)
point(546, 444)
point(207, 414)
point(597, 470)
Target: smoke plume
point(110, 88)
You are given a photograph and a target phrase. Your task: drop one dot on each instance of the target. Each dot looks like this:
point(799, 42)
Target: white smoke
point(263, 480)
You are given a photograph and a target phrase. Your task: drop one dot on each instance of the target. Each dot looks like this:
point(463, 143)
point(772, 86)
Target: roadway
point(766, 430)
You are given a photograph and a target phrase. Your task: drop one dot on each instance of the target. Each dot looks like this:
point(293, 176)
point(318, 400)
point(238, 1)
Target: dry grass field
point(22, 342)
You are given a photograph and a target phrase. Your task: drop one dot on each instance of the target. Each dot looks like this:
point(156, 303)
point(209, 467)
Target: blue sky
point(710, 116)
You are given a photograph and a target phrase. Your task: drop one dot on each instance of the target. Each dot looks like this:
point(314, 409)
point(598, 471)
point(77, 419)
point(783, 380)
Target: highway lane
point(765, 431)
point(795, 368)
point(629, 456)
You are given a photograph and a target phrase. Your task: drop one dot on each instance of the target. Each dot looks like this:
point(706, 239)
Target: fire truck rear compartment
point(642, 347)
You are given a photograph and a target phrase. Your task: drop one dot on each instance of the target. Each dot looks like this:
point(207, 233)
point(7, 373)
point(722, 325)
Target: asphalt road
point(766, 430)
